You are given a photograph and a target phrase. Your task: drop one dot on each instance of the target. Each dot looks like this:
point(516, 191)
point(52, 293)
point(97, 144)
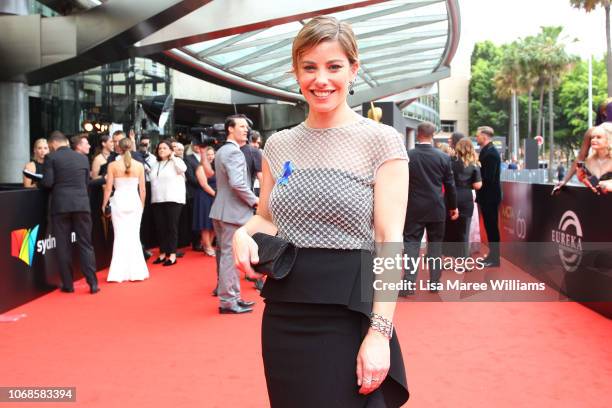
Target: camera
point(208, 135)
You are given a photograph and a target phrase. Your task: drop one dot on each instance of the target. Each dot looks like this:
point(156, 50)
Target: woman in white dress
point(127, 177)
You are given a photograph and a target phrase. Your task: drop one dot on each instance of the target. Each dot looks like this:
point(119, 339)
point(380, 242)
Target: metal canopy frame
point(245, 46)
point(400, 42)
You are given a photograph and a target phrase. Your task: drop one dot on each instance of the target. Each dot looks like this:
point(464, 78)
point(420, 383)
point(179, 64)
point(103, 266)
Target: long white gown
point(128, 261)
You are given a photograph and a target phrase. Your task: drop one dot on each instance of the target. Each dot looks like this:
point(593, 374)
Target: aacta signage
point(24, 244)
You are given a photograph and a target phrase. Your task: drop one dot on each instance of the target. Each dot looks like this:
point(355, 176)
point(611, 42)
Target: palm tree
point(589, 5)
point(509, 84)
point(531, 73)
point(554, 62)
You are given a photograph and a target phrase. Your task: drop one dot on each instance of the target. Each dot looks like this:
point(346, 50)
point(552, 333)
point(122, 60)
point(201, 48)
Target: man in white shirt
point(233, 207)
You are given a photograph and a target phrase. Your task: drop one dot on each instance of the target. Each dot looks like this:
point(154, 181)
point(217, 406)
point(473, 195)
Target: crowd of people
point(124, 168)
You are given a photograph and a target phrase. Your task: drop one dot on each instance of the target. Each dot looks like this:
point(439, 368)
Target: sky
point(505, 21)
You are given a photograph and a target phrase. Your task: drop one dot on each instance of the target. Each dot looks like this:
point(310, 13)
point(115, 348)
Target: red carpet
point(161, 343)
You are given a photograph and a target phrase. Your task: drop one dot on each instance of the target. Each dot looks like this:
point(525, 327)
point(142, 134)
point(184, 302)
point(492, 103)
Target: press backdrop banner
point(567, 240)
point(28, 267)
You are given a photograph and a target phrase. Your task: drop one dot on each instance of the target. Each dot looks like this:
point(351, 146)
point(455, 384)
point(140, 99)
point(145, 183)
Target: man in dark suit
point(253, 157)
point(430, 169)
point(66, 174)
point(489, 196)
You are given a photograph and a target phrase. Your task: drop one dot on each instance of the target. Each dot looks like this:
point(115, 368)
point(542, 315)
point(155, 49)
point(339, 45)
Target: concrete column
point(14, 130)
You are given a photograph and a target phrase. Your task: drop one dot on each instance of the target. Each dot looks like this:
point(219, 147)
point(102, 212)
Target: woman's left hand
point(373, 361)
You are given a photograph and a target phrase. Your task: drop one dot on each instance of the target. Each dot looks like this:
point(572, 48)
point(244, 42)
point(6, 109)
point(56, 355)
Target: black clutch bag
point(107, 210)
point(276, 256)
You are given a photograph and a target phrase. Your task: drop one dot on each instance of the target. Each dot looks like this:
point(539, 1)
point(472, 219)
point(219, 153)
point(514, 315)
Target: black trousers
point(490, 217)
point(167, 225)
point(465, 236)
point(63, 226)
point(413, 234)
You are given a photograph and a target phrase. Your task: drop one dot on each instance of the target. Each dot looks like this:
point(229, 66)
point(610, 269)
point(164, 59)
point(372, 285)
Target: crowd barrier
point(563, 240)
point(27, 245)
point(566, 241)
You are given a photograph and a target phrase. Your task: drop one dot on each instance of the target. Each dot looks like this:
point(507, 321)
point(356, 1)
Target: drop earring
point(351, 90)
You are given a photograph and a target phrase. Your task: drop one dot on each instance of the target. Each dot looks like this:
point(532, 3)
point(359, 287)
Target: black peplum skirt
point(313, 325)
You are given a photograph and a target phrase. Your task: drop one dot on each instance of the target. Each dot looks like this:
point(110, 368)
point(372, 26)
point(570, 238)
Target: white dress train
point(128, 261)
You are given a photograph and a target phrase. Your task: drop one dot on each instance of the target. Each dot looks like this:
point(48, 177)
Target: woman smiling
point(332, 185)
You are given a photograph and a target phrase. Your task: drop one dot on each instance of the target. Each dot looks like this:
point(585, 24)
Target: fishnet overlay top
point(328, 200)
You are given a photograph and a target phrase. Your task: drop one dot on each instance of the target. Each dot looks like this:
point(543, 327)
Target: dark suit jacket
point(252, 155)
point(190, 175)
point(490, 169)
point(66, 174)
point(429, 170)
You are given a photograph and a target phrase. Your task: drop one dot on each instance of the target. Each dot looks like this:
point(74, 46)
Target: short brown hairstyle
point(325, 28)
point(76, 139)
point(426, 129)
point(167, 142)
point(57, 136)
point(487, 130)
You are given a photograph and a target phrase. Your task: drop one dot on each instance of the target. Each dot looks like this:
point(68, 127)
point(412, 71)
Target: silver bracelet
point(381, 324)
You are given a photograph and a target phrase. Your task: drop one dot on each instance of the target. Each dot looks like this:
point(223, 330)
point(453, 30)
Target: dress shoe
point(259, 284)
point(197, 248)
point(405, 293)
point(147, 254)
point(169, 262)
point(236, 309)
point(245, 303)
point(490, 263)
point(159, 260)
point(94, 289)
point(67, 290)
point(180, 254)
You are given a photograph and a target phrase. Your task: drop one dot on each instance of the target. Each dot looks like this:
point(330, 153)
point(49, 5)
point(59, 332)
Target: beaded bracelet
point(381, 324)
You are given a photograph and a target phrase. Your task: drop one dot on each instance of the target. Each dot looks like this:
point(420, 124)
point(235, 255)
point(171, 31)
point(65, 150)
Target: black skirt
point(313, 325)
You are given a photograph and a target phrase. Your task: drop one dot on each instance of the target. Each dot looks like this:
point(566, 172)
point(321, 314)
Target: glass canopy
point(397, 40)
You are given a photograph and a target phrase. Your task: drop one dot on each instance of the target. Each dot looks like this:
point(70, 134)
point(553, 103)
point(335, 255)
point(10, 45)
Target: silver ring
point(367, 380)
point(375, 380)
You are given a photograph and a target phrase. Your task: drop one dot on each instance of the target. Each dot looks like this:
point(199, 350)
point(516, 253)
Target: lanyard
point(160, 166)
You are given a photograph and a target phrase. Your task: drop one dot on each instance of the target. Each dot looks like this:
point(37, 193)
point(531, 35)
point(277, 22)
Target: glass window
point(448, 126)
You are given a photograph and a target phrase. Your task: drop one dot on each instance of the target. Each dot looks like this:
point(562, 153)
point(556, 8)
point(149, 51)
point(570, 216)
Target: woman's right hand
point(245, 252)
